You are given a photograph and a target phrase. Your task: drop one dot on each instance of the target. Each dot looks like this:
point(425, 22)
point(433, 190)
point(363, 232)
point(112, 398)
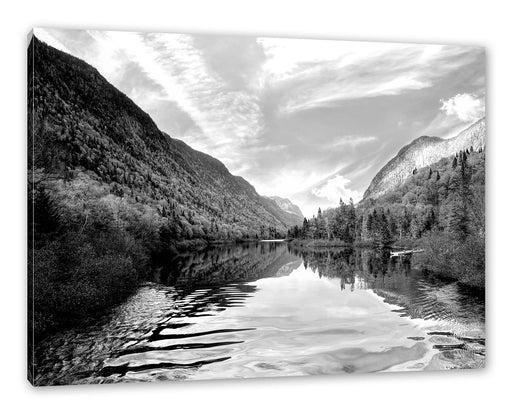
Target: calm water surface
point(268, 309)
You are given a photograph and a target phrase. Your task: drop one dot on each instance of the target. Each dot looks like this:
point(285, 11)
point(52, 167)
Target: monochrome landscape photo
point(226, 206)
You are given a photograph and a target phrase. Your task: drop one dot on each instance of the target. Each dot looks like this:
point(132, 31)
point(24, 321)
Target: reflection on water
point(272, 310)
point(392, 278)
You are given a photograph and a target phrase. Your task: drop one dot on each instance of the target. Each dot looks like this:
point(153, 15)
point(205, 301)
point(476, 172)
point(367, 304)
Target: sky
point(306, 119)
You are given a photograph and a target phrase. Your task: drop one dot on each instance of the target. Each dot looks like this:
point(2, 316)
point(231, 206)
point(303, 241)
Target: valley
point(157, 262)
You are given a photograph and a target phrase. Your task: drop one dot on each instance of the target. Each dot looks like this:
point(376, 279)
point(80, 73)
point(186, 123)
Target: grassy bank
point(75, 278)
point(335, 243)
point(449, 257)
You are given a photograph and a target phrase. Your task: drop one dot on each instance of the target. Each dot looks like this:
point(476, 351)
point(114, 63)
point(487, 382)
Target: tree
point(337, 223)
point(306, 229)
point(44, 217)
point(459, 219)
point(367, 231)
point(384, 236)
point(321, 228)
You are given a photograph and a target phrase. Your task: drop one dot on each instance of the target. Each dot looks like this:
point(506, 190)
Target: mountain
point(96, 144)
point(421, 152)
point(287, 206)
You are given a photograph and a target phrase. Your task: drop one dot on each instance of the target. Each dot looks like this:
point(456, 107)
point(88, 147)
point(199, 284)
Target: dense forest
point(440, 208)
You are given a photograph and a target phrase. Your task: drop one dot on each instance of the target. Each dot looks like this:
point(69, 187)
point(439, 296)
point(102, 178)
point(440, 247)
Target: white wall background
point(467, 22)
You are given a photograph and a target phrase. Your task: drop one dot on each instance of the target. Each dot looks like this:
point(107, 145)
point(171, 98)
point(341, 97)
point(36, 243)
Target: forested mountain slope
point(422, 152)
point(94, 141)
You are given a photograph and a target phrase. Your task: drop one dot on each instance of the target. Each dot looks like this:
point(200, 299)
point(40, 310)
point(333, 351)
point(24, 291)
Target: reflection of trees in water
point(393, 279)
point(389, 277)
point(229, 263)
point(366, 268)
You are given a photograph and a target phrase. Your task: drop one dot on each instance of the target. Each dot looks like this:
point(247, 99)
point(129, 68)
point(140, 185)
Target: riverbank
point(199, 244)
point(319, 243)
point(78, 278)
point(398, 244)
point(447, 257)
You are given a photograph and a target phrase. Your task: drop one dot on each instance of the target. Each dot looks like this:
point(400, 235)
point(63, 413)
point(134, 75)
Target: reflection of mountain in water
point(393, 279)
point(229, 264)
point(207, 283)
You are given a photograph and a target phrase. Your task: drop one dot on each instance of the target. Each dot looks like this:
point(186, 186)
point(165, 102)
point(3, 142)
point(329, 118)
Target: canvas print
point(219, 207)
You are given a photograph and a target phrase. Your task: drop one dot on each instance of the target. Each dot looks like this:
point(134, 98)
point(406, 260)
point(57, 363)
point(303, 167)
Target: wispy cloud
point(351, 141)
point(224, 116)
point(321, 73)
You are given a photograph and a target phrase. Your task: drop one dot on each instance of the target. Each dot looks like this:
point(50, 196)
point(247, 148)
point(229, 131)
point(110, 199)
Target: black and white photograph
point(221, 206)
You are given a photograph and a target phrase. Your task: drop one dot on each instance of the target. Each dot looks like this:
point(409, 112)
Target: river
point(269, 309)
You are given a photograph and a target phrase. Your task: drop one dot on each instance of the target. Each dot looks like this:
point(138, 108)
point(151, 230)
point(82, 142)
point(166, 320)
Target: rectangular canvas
point(218, 207)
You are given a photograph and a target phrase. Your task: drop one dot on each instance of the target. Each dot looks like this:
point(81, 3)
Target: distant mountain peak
point(287, 205)
point(421, 152)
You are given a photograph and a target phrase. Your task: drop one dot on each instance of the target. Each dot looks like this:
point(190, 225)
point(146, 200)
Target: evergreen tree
point(459, 219)
point(336, 224)
point(351, 220)
point(306, 232)
point(367, 228)
point(383, 231)
point(321, 228)
point(44, 218)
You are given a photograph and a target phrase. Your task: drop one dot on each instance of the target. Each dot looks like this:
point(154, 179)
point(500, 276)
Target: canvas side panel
point(30, 210)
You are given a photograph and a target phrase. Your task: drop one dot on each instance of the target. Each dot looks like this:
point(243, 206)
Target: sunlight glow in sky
point(310, 120)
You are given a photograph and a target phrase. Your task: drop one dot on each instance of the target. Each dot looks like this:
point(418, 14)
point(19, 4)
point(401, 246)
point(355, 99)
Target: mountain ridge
point(421, 152)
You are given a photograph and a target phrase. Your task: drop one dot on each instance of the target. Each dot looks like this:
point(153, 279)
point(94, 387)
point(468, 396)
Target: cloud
point(455, 114)
point(467, 107)
point(351, 141)
point(335, 188)
point(321, 73)
point(46, 36)
point(225, 116)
